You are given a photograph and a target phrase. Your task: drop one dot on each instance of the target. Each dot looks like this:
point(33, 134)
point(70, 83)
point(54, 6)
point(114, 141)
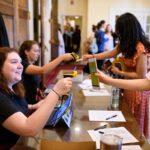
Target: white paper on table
point(101, 92)
point(131, 147)
point(87, 85)
point(99, 115)
point(120, 131)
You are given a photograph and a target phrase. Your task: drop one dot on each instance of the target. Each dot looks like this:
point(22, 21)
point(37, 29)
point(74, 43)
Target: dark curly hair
point(18, 87)
point(130, 33)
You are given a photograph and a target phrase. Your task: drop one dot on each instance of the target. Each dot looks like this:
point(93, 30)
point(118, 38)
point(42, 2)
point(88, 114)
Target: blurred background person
point(109, 44)
point(61, 47)
point(76, 39)
point(100, 40)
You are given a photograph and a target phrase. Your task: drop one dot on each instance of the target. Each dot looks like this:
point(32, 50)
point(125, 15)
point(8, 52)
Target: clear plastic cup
point(115, 97)
point(110, 142)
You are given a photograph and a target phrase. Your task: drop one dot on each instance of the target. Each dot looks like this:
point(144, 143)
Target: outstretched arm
point(30, 126)
point(104, 55)
point(33, 69)
point(135, 84)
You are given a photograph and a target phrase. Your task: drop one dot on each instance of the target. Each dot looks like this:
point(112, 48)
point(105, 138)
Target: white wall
point(99, 9)
point(31, 20)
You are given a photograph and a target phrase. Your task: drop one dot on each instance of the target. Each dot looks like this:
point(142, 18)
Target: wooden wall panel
point(15, 14)
point(9, 22)
point(7, 1)
point(23, 31)
point(54, 29)
point(6, 9)
point(23, 4)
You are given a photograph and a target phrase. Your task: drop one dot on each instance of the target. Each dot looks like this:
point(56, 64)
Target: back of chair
point(60, 145)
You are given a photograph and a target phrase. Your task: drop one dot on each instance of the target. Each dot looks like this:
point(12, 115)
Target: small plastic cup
point(110, 142)
point(115, 98)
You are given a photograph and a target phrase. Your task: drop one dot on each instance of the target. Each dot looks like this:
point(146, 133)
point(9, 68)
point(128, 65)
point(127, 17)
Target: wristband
point(122, 73)
point(59, 97)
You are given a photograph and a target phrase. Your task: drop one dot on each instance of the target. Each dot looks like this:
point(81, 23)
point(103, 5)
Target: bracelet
point(122, 73)
point(59, 97)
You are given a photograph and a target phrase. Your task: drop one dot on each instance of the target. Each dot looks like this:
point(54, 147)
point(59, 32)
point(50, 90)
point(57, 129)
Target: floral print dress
point(138, 100)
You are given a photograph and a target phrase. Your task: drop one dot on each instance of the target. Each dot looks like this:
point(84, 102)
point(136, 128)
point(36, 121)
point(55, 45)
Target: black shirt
point(31, 83)
point(10, 104)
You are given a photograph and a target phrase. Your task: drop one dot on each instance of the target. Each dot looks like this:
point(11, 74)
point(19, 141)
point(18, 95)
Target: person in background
point(76, 39)
point(13, 106)
point(61, 46)
point(100, 40)
point(133, 45)
point(90, 46)
point(67, 36)
point(30, 52)
point(109, 44)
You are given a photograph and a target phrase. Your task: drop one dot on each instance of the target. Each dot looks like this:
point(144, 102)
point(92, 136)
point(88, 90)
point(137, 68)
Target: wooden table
point(80, 124)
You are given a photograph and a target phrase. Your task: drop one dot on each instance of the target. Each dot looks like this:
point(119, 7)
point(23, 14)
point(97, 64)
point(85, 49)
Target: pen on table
point(101, 127)
point(101, 132)
point(111, 117)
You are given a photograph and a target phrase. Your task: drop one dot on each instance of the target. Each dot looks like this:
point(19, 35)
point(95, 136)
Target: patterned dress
point(138, 100)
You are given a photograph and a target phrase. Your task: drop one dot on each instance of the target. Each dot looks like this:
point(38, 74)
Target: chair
point(61, 145)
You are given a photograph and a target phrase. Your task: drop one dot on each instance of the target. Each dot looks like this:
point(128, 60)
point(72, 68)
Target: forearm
point(38, 119)
point(129, 75)
point(51, 65)
point(136, 84)
point(107, 54)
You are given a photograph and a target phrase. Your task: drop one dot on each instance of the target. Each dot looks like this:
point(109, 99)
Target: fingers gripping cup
point(110, 142)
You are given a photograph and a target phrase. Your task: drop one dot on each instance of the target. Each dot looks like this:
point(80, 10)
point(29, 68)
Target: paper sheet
point(99, 115)
point(131, 147)
point(102, 92)
point(87, 85)
point(120, 131)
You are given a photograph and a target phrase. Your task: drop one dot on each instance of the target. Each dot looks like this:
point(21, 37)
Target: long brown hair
point(26, 46)
point(18, 87)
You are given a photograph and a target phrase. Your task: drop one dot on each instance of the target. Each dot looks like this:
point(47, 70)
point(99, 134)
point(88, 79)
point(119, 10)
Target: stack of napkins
point(88, 90)
point(87, 85)
point(96, 99)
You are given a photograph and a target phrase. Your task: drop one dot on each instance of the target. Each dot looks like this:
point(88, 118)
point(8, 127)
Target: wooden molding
point(23, 14)
point(6, 9)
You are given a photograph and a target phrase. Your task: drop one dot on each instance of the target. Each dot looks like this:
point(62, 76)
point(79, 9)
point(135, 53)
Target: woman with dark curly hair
point(133, 45)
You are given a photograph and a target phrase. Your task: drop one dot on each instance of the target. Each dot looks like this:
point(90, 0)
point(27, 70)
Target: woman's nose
point(20, 66)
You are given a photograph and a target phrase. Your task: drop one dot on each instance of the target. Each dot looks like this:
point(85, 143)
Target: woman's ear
point(26, 52)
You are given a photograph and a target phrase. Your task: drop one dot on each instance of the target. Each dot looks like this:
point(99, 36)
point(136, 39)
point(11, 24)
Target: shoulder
point(140, 48)
point(148, 75)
